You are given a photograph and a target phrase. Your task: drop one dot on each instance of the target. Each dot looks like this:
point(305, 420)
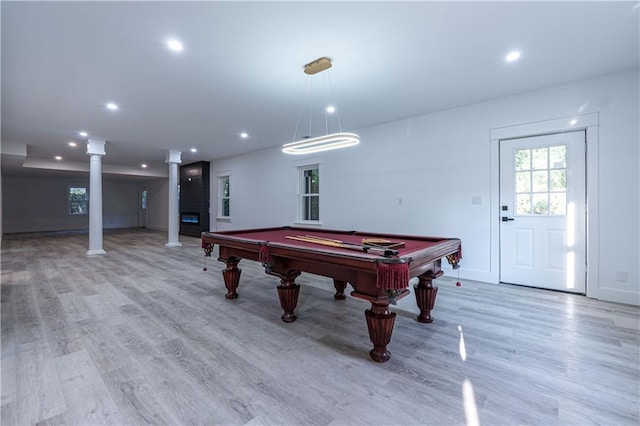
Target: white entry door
point(542, 211)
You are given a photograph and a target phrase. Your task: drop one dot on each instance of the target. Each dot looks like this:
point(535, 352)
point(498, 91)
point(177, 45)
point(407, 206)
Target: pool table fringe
point(392, 276)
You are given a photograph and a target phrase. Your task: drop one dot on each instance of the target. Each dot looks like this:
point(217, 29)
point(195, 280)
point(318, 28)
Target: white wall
point(40, 204)
point(157, 204)
point(120, 204)
point(437, 163)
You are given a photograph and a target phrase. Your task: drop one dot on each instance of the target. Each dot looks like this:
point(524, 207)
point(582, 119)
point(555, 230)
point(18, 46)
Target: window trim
point(221, 176)
point(301, 167)
point(68, 199)
point(144, 199)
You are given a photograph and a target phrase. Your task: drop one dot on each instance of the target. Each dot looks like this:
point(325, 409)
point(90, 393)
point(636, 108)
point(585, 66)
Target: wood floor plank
point(28, 325)
point(87, 398)
point(62, 335)
point(75, 306)
point(58, 419)
point(8, 373)
point(135, 397)
point(102, 346)
point(38, 391)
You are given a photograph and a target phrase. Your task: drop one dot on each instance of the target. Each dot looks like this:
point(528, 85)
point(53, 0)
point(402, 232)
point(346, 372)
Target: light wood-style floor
point(142, 335)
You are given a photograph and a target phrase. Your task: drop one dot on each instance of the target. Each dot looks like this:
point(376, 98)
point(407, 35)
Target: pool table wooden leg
point(340, 286)
point(288, 292)
point(380, 321)
point(231, 275)
point(425, 296)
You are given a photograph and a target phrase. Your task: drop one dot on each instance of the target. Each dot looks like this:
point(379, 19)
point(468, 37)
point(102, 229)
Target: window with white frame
point(224, 196)
point(77, 200)
point(309, 193)
point(143, 199)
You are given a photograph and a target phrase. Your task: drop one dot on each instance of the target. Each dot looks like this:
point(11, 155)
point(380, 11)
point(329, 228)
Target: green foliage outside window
point(78, 200)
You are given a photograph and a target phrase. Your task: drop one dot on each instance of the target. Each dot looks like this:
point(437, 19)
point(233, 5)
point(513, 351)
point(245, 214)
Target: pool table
point(377, 266)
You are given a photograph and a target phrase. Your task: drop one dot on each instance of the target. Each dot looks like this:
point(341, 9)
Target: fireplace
point(194, 198)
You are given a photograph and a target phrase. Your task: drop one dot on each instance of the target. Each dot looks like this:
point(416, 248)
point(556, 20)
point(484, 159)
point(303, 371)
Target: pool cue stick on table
point(368, 242)
point(344, 244)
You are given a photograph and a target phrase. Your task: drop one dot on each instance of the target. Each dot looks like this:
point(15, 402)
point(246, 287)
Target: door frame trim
point(587, 122)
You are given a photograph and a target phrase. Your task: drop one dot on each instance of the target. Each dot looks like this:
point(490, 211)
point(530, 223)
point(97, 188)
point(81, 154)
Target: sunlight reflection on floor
point(470, 408)
point(461, 347)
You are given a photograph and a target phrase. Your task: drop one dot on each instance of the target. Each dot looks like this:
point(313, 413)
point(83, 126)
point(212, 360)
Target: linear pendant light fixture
point(327, 142)
point(321, 143)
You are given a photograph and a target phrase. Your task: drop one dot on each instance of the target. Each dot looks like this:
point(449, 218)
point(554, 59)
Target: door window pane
point(558, 180)
point(523, 181)
point(523, 204)
point(558, 203)
point(539, 158)
point(523, 159)
point(558, 157)
point(540, 182)
point(540, 204)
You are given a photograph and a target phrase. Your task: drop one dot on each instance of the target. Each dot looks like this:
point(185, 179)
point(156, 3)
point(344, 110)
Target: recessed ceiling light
point(175, 45)
point(194, 150)
point(331, 109)
point(144, 166)
point(73, 144)
point(512, 56)
point(111, 106)
point(57, 157)
point(573, 122)
point(83, 134)
point(244, 135)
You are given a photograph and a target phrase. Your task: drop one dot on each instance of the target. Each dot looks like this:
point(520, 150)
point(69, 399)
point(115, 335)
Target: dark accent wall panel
point(194, 198)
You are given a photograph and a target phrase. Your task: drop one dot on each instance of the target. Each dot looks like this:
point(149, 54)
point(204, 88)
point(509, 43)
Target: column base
point(92, 252)
point(173, 245)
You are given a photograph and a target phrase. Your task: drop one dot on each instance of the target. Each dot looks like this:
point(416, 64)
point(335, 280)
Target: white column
point(173, 159)
point(95, 149)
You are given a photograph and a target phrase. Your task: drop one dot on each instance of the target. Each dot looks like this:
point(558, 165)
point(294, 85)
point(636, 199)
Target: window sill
point(223, 219)
point(307, 223)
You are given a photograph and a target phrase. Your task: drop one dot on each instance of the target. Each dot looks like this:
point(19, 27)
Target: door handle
point(507, 219)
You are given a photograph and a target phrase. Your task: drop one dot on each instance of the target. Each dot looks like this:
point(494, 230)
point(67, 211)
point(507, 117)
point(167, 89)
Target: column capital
point(174, 157)
point(95, 147)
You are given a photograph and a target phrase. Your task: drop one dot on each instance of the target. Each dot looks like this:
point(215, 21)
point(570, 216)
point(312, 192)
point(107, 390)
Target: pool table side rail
point(249, 249)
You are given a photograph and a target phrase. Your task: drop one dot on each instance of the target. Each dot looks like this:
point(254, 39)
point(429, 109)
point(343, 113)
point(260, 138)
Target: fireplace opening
point(190, 218)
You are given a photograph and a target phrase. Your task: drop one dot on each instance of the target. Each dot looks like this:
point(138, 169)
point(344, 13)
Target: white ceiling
point(241, 68)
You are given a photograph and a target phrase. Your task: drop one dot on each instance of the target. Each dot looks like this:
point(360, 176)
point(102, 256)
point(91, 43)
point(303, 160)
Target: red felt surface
point(279, 236)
